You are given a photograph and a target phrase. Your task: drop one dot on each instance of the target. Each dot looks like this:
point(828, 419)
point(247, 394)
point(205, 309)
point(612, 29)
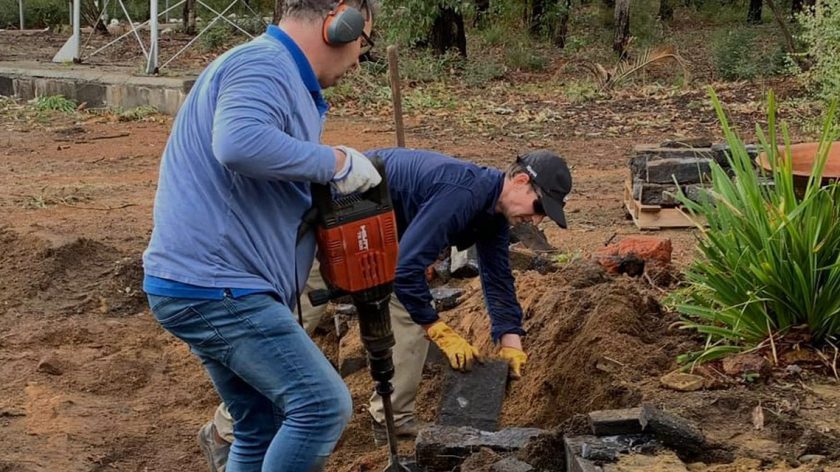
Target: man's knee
point(331, 408)
point(337, 405)
point(345, 404)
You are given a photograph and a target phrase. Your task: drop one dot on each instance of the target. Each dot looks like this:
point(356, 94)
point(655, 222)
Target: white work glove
point(358, 174)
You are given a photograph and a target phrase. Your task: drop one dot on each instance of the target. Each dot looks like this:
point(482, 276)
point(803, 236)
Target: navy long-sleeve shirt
point(440, 201)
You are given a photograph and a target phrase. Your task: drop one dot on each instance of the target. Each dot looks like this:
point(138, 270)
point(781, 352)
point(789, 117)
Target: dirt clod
point(682, 382)
point(50, 365)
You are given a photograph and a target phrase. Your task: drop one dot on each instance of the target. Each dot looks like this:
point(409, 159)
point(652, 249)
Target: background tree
point(790, 45)
point(448, 31)
point(278, 11)
point(437, 24)
point(189, 16)
point(565, 11)
point(666, 10)
point(754, 12)
point(799, 6)
point(482, 9)
point(622, 27)
point(537, 16)
point(92, 15)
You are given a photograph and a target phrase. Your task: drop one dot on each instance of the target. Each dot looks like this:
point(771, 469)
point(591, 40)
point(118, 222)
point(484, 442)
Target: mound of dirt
point(53, 275)
point(591, 337)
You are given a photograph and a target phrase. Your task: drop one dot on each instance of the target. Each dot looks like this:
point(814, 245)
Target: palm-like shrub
point(768, 260)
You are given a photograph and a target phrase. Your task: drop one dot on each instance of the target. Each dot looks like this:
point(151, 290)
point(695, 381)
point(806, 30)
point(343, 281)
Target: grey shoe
point(406, 430)
point(215, 448)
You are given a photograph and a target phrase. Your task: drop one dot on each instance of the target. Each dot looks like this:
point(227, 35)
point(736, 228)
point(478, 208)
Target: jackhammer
point(357, 251)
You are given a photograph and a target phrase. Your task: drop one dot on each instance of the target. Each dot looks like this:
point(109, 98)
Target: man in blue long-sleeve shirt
point(223, 264)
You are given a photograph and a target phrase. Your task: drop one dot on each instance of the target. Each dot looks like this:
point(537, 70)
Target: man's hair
point(515, 168)
point(315, 9)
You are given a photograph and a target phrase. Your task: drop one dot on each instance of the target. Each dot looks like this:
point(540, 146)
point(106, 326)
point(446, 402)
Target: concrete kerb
point(96, 87)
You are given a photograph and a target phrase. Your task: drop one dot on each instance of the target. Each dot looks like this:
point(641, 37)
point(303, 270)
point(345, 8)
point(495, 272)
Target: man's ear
point(522, 178)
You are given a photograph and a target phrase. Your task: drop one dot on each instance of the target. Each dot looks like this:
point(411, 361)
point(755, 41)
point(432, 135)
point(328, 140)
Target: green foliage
point(216, 37)
point(769, 257)
point(522, 55)
point(567, 257)
point(36, 13)
point(495, 34)
point(43, 13)
point(743, 54)
point(821, 34)
point(408, 22)
point(549, 20)
point(734, 54)
point(428, 98)
point(365, 87)
point(646, 28)
point(479, 71)
point(723, 12)
point(581, 91)
point(424, 66)
point(54, 103)
point(136, 114)
point(250, 23)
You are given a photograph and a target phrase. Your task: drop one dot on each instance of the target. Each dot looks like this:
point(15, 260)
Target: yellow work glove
point(516, 358)
point(458, 350)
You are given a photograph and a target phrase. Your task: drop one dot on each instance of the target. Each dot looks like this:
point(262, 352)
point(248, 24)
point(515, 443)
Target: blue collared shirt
point(303, 65)
point(440, 201)
point(235, 174)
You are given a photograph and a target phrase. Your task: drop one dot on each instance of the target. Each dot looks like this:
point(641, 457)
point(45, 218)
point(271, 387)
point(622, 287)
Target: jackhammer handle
point(325, 204)
point(322, 296)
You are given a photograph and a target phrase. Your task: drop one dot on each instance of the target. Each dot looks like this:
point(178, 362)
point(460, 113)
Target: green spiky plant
point(54, 103)
point(768, 259)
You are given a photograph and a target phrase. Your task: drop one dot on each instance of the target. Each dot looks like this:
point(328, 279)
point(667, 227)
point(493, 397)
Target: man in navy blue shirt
point(440, 201)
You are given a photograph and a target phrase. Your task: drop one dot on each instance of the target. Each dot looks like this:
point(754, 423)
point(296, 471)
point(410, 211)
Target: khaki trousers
point(409, 357)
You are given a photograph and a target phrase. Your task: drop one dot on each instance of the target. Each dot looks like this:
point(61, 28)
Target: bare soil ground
point(92, 383)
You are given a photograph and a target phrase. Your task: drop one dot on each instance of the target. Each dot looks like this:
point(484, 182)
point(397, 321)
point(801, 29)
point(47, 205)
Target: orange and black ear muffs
point(344, 24)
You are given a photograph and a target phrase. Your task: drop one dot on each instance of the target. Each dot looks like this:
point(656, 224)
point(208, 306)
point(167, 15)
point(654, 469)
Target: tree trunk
point(798, 6)
point(482, 8)
point(791, 46)
point(563, 23)
point(189, 16)
point(622, 27)
point(535, 18)
point(93, 16)
point(278, 11)
point(666, 10)
point(754, 12)
point(448, 31)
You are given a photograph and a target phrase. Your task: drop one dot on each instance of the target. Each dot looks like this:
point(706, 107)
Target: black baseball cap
point(550, 174)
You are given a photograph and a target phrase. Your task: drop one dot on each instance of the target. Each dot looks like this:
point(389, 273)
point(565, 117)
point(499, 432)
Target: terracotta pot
point(803, 156)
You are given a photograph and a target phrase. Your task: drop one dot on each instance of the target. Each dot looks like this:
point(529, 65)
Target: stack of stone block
point(659, 171)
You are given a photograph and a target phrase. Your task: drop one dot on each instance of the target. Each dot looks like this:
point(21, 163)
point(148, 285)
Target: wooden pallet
point(654, 217)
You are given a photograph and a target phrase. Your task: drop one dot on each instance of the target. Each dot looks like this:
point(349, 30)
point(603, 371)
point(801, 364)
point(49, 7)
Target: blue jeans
point(289, 404)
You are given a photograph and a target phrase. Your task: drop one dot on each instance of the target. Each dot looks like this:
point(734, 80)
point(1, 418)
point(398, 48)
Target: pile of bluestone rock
point(659, 171)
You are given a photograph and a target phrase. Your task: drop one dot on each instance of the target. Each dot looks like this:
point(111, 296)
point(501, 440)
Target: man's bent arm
point(427, 234)
point(498, 284)
point(253, 101)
